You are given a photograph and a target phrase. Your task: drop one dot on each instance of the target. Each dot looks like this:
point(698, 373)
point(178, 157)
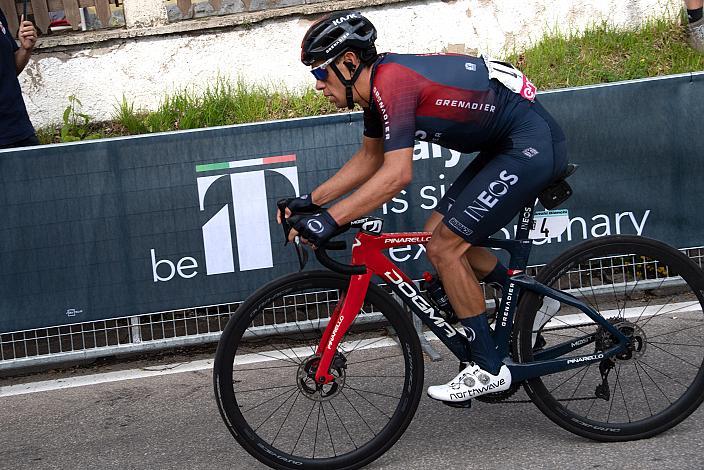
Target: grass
point(605, 54)
point(600, 54)
point(221, 104)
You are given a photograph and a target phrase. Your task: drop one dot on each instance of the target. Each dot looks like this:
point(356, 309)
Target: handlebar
point(321, 251)
point(347, 269)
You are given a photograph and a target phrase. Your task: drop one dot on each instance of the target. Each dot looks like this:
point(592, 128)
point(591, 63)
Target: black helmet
point(337, 32)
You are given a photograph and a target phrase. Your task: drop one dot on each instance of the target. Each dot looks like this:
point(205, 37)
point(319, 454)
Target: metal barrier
point(178, 328)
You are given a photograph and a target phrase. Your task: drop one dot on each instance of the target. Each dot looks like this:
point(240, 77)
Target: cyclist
point(460, 102)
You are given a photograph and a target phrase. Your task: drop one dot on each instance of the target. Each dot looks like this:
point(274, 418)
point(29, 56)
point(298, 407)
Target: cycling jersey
point(469, 104)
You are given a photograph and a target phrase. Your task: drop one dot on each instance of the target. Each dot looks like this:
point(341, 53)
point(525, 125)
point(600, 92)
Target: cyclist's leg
point(500, 188)
point(481, 259)
point(447, 252)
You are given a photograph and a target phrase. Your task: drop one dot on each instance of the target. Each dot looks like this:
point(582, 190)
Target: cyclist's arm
point(358, 169)
point(395, 174)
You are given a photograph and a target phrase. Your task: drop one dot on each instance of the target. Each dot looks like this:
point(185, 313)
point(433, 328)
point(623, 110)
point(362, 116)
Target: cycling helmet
point(334, 34)
point(337, 32)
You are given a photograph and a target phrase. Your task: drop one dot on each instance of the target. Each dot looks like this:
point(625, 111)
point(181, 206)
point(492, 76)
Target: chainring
point(498, 397)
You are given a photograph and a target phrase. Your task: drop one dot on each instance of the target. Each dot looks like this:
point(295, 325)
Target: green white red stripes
point(245, 163)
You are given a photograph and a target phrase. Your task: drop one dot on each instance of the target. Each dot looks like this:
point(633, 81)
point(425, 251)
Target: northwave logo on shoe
point(477, 391)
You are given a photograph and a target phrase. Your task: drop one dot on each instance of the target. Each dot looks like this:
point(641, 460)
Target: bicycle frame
point(367, 251)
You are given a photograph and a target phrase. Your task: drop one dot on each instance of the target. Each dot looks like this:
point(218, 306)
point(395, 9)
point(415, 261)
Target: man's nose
point(319, 85)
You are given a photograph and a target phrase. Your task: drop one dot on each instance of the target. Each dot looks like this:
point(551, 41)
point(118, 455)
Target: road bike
point(324, 369)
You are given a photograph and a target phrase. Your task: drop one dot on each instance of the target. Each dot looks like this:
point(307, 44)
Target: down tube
point(453, 339)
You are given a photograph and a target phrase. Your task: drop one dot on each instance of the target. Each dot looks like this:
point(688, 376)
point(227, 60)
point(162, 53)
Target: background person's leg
point(695, 14)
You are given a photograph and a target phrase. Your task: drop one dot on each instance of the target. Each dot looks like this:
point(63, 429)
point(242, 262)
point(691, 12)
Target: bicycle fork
point(346, 310)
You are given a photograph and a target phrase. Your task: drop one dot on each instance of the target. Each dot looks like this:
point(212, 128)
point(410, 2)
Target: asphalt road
point(172, 422)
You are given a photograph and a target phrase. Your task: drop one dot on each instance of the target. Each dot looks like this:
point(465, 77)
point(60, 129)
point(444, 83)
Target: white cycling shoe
point(548, 310)
point(472, 382)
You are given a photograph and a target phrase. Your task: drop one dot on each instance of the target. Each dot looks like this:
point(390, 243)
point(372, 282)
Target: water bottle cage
point(448, 315)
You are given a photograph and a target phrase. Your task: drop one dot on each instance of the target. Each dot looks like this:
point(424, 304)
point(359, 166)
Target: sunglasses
point(321, 71)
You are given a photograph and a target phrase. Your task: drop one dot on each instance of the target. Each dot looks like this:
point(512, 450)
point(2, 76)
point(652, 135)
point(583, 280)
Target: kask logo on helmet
point(342, 19)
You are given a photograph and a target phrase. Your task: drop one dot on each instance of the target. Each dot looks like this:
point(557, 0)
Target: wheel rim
point(643, 291)
point(292, 415)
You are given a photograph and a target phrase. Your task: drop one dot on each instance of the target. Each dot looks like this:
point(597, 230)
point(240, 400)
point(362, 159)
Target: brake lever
point(301, 252)
point(281, 205)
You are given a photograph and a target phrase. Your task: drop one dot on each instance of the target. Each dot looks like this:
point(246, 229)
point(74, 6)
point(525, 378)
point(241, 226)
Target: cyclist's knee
point(445, 247)
point(432, 222)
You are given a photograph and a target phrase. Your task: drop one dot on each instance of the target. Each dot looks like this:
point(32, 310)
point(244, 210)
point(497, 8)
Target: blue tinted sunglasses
point(321, 71)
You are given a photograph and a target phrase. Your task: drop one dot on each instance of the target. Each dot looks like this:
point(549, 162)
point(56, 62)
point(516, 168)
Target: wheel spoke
point(648, 292)
point(268, 400)
point(339, 418)
point(277, 409)
point(283, 424)
point(374, 393)
point(654, 382)
point(677, 331)
point(676, 356)
point(375, 359)
point(642, 386)
point(372, 404)
point(327, 426)
point(650, 366)
point(317, 423)
point(303, 428)
point(356, 411)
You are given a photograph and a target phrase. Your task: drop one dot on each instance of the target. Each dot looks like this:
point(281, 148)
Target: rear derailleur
point(603, 390)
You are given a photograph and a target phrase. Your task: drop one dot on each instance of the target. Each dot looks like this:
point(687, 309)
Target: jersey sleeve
point(372, 124)
point(395, 93)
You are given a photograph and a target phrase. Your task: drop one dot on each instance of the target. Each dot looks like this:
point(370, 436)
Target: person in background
point(15, 127)
point(696, 24)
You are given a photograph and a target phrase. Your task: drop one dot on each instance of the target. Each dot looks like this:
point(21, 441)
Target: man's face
point(332, 87)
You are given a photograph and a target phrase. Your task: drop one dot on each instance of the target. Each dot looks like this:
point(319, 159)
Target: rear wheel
point(266, 361)
point(653, 294)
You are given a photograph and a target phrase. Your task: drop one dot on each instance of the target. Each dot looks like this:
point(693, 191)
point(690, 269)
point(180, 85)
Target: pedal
point(459, 404)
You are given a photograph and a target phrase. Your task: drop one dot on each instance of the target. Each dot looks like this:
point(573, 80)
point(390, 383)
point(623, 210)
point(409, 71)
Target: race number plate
point(511, 78)
point(549, 224)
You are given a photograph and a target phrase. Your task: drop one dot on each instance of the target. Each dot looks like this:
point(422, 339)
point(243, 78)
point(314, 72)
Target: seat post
point(525, 222)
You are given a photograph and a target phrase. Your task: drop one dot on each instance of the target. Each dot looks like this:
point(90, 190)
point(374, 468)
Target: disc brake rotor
point(305, 378)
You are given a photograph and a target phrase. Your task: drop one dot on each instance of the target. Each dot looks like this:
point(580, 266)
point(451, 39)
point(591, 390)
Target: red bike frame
point(367, 250)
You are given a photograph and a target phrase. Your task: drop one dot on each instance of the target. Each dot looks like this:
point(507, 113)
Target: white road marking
point(293, 354)
point(156, 371)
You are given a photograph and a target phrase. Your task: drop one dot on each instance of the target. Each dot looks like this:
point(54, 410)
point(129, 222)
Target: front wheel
point(265, 364)
point(650, 292)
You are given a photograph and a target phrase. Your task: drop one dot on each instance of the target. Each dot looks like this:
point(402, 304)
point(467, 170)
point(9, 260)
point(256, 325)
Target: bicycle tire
point(387, 325)
point(664, 273)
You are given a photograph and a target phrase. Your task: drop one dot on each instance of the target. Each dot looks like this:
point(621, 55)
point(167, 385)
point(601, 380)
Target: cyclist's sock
point(482, 345)
point(695, 15)
point(499, 275)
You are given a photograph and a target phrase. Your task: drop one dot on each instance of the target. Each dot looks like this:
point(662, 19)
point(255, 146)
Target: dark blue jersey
point(457, 101)
point(14, 121)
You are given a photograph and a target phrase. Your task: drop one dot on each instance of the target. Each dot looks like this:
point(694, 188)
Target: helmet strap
point(348, 83)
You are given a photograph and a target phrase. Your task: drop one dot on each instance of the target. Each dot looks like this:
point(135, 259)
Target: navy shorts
point(497, 184)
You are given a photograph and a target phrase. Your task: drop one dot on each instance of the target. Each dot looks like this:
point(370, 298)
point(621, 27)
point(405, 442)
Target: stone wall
point(144, 63)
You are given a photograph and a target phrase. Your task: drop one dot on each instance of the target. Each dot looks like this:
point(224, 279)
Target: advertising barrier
point(135, 225)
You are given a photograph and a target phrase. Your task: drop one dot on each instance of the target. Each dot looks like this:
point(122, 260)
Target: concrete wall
point(157, 61)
